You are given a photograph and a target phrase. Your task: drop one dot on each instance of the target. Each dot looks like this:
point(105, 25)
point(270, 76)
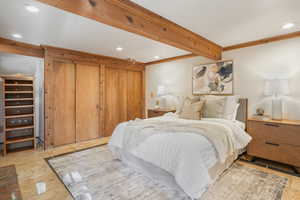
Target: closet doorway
point(22, 102)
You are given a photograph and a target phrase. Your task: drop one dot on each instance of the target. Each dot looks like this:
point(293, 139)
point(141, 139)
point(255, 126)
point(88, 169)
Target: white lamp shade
point(283, 88)
point(162, 91)
point(268, 88)
point(276, 87)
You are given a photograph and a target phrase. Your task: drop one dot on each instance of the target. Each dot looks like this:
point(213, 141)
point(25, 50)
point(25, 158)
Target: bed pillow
point(235, 112)
point(182, 101)
point(191, 110)
point(214, 107)
point(231, 106)
point(195, 99)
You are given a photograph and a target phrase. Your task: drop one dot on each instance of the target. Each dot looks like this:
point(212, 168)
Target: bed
point(188, 155)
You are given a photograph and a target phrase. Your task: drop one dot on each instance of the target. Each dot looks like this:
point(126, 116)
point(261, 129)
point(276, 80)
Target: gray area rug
point(94, 174)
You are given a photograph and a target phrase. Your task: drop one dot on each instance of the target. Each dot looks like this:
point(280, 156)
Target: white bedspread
point(187, 149)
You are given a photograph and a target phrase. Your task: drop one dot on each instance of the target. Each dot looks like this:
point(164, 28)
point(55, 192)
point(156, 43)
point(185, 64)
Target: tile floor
point(32, 168)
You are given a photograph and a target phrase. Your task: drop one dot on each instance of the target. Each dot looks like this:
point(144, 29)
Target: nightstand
point(275, 140)
point(158, 112)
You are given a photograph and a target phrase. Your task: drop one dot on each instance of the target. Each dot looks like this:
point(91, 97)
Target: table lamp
point(277, 88)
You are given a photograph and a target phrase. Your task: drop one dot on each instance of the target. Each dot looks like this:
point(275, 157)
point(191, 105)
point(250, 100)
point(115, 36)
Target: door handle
point(274, 125)
point(272, 144)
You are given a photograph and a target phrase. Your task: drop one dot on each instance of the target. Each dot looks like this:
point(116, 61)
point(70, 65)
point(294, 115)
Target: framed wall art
point(213, 78)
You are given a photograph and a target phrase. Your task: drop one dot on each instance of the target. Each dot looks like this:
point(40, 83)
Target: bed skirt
point(162, 176)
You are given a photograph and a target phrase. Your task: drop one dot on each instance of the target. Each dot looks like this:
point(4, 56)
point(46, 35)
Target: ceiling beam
point(237, 46)
point(263, 41)
point(21, 48)
point(171, 59)
point(131, 17)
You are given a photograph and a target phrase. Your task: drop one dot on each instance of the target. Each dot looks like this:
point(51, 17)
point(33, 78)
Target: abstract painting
point(214, 78)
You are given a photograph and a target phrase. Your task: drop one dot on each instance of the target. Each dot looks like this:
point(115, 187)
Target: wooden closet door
point(135, 95)
point(64, 103)
point(87, 102)
point(115, 99)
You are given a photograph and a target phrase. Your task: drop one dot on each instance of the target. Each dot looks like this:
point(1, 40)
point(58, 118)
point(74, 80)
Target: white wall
point(274, 60)
point(176, 75)
point(252, 66)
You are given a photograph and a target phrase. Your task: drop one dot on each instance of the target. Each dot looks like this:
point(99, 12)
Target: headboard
point(242, 113)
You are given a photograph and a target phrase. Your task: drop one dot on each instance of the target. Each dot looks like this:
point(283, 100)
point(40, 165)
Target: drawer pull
point(273, 144)
point(274, 125)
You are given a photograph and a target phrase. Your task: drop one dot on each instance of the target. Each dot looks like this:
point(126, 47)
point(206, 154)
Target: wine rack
point(19, 114)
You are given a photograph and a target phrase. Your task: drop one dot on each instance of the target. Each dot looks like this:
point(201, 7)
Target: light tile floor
point(32, 168)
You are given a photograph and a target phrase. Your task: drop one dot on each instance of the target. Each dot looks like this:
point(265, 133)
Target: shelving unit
point(19, 133)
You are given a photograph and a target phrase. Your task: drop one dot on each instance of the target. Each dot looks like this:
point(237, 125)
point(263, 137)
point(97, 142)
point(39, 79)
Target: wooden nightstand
point(275, 140)
point(158, 112)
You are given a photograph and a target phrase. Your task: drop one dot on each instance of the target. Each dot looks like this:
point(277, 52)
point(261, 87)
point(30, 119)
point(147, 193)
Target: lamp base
point(276, 109)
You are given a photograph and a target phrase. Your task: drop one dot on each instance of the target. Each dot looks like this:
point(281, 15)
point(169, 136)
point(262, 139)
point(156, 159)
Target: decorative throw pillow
point(230, 109)
point(183, 100)
point(230, 106)
point(195, 99)
point(234, 116)
point(191, 110)
point(214, 108)
point(179, 106)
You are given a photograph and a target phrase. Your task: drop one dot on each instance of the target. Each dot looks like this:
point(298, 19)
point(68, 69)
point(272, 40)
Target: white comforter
point(187, 149)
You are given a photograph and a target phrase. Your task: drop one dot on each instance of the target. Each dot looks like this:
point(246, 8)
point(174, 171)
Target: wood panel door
point(115, 99)
point(135, 95)
point(87, 102)
point(63, 103)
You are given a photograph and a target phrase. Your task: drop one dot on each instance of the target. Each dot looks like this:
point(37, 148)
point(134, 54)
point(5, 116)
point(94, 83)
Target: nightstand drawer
point(274, 151)
point(278, 133)
point(158, 113)
point(155, 113)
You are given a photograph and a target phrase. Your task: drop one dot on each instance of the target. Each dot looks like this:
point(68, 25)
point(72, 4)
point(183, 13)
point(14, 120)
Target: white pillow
point(230, 107)
point(235, 112)
point(181, 100)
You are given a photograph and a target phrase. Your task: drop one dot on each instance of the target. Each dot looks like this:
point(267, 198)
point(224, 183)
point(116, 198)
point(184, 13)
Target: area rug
point(94, 174)
point(281, 167)
point(9, 186)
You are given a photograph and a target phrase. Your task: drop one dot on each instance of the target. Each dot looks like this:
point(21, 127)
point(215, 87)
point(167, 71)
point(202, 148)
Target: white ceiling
point(228, 22)
point(11, 64)
point(225, 22)
point(55, 27)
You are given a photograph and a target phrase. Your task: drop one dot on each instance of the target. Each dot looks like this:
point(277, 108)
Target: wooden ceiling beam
point(21, 48)
point(237, 46)
point(263, 41)
point(131, 17)
point(171, 59)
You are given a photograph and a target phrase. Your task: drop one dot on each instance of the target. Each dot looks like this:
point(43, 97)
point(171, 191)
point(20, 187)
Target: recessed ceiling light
point(17, 35)
point(156, 57)
point(32, 9)
point(288, 25)
point(119, 49)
